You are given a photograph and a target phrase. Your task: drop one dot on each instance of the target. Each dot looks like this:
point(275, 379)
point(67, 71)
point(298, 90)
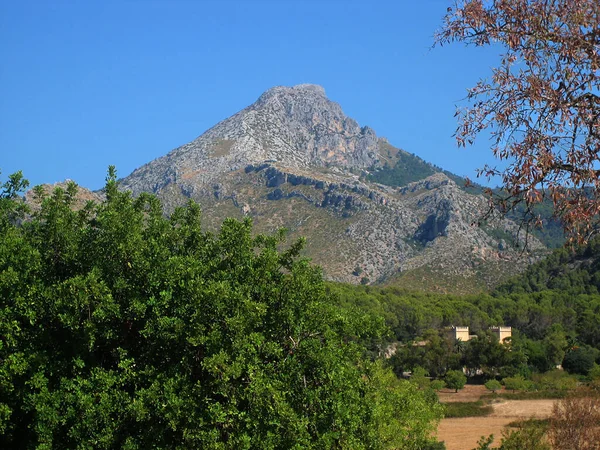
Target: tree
point(455, 379)
point(528, 436)
point(580, 360)
point(493, 385)
point(437, 385)
point(515, 383)
point(120, 327)
point(420, 378)
point(541, 105)
point(555, 344)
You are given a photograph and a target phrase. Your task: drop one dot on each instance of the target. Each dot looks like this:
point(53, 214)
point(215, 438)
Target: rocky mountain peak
point(296, 126)
point(305, 90)
point(369, 210)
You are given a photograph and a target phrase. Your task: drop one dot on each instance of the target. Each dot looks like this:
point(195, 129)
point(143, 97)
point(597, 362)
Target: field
point(463, 433)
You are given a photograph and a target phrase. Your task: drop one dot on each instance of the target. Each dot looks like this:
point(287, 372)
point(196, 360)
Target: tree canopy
point(541, 104)
point(120, 327)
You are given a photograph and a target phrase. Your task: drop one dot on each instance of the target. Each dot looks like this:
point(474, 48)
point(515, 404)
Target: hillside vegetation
point(553, 308)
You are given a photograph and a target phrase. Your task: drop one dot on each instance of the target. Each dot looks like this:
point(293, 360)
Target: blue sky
point(88, 84)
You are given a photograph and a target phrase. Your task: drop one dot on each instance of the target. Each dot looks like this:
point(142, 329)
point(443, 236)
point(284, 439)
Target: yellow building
point(462, 333)
point(457, 333)
point(501, 332)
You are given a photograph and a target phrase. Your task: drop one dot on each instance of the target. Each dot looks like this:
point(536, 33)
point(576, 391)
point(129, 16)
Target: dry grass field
point(463, 433)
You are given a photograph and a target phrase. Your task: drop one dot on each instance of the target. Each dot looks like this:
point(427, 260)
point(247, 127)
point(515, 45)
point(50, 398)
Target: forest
point(553, 309)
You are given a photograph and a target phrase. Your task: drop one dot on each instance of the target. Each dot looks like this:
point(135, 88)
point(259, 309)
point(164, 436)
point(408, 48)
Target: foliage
point(437, 385)
point(435, 446)
point(493, 385)
point(541, 106)
point(594, 372)
point(539, 423)
point(580, 360)
point(574, 423)
point(466, 409)
point(485, 443)
point(553, 380)
point(407, 168)
point(455, 379)
point(529, 435)
point(123, 328)
point(491, 357)
point(516, 383)
point(420, 378)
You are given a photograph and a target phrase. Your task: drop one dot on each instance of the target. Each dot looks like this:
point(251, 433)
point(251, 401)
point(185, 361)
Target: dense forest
point(553, 309)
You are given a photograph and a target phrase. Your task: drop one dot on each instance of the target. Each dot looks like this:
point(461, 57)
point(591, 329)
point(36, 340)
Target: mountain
point(293, 159)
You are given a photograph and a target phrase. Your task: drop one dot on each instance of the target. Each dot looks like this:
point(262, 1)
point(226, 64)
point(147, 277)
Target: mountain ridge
point(294, 160)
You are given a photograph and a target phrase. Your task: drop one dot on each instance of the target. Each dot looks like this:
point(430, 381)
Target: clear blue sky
point(85, 84)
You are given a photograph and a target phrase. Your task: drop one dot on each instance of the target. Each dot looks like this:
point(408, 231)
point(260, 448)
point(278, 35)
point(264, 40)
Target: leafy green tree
point(420, 378)
point(437, 385)
point(555, 344)
point(455, 379)
point(493, 385)
point(485, 353)
point(529, 436)
point(120, 327)
point(516, 383)
point(580, 360)
point(594, 372)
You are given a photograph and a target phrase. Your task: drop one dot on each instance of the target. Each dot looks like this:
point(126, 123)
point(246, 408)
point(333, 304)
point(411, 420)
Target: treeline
point(553, 309)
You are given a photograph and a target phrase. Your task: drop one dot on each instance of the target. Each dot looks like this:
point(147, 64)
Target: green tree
point(123, 328)
point(485, 353)
point(515, 383)
point(437, 385)
point(580, 360)
point(493, 385)
point(529, 436)
point(555, 344)
point(420, 378)
point(455, 379)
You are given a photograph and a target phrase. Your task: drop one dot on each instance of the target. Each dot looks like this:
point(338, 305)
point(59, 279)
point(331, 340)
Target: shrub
point(493, 385)
point(575, 423)
point(437, 385)
point(516, 383)
point(455, 379)
point(466, 409)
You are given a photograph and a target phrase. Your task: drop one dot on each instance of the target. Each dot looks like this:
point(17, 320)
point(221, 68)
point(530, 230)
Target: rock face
point(293, 159)
point(298, 127)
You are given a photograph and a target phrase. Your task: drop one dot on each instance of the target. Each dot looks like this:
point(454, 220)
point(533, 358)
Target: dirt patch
point(470, 393)
point(523, 409)
point(463, 434)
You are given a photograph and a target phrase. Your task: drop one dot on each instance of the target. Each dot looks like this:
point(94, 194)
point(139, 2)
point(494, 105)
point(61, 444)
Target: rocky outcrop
point(293, 159)
point(297, 127)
